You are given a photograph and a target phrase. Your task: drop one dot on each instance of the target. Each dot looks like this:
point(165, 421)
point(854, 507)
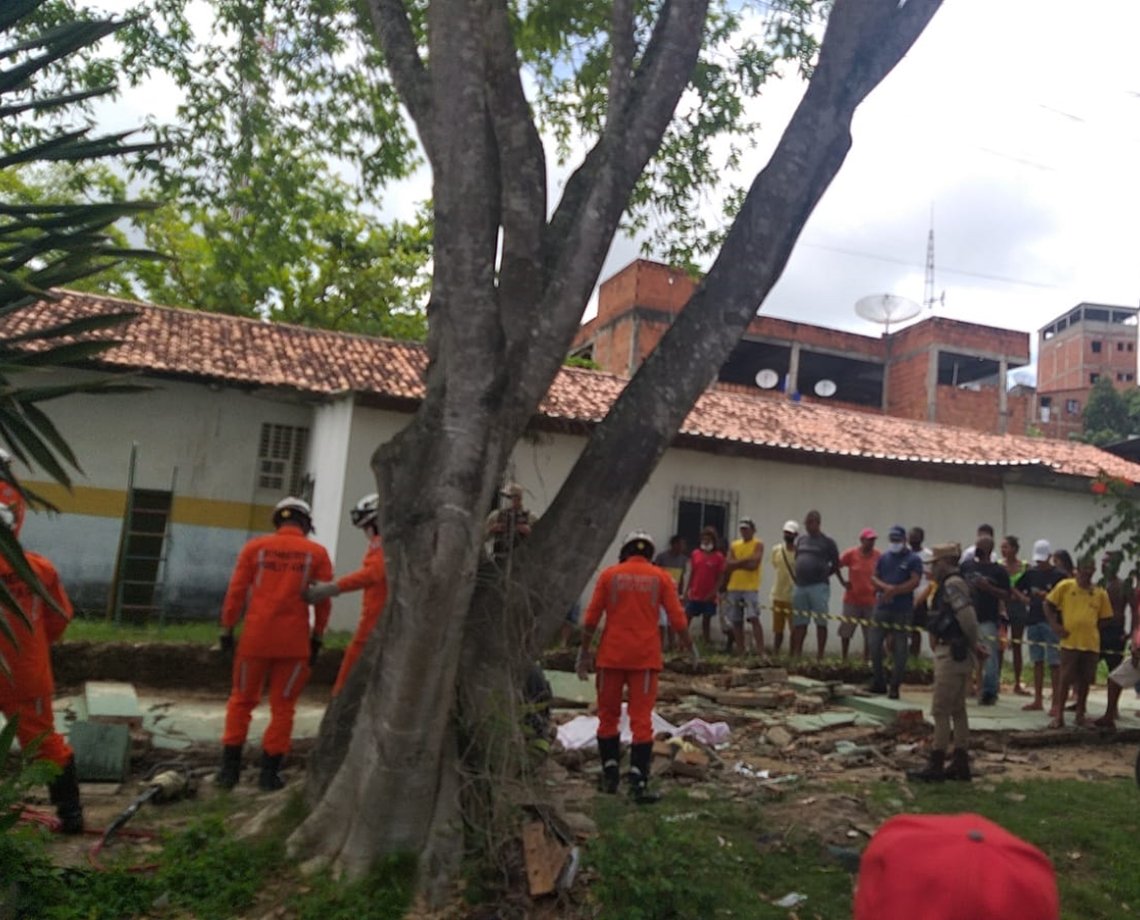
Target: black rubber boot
point(64, 794)
point(609, 749)
point(959, 768)
point(934, 772)
point(230, 772)
point(270, 779)
point(640, 756)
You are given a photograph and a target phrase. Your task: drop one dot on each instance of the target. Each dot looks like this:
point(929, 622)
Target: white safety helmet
point(293, 511)
point(364, 512)
point(637, 543)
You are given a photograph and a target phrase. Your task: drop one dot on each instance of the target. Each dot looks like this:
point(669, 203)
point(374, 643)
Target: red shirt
point(705, 570)
point(860, 568)
point(630, 594)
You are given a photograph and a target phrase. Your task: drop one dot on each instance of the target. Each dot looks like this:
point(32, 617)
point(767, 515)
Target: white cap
point(1042, 550)
point(791, 527)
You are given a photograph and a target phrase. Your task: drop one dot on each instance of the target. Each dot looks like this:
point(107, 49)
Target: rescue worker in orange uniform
point(26, 691)
point(278, 647)
point(371, 577)
point(630, 594)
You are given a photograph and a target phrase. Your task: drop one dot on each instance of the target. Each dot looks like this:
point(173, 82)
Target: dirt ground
point(824, 783)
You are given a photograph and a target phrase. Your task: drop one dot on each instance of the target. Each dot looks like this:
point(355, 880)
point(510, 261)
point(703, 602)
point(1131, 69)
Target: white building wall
point(206, 435)
point(211, 435)
point(370, 429)
point(328, 461)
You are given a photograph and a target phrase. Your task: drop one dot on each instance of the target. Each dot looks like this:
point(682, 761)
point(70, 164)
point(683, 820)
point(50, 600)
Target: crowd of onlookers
point(1045, 610)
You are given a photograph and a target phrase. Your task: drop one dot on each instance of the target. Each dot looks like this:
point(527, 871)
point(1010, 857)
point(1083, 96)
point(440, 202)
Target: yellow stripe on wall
point(193, 512)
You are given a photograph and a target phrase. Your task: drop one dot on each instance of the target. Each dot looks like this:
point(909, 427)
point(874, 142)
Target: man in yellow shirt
point(1075, 607)
point(784, 562)
point(742, 591)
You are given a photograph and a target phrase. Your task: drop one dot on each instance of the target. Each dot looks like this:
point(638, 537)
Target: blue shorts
point(808, 600)
point(1037, 633)
point(694, 609)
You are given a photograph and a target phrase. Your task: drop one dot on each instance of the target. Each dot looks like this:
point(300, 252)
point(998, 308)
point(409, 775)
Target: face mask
point(707, 547)
point(897, 547)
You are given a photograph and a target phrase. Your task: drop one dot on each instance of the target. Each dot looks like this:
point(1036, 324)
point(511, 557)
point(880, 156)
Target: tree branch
point(633, 135)
point(522, 178)
point(622, 49)
point(864, 40)
point(588, 216)
point(409, 75)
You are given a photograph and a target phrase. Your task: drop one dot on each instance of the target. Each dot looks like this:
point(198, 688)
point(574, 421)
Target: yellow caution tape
point(908, 628)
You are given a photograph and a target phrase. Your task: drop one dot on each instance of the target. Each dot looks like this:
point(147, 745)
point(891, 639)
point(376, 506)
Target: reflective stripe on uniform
point(292, 680)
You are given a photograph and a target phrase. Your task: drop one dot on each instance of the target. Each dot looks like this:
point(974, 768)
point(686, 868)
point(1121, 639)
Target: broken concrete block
point(779, 736)
point(771, 675)
point(799, 682)
point(570, 692)
point(814, 722)
point(884, 709)
point(112, 703)
point(754, 699)
point(102, 752)
point(694, 763)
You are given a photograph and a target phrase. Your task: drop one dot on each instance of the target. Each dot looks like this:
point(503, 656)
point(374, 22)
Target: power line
point(1003, 279)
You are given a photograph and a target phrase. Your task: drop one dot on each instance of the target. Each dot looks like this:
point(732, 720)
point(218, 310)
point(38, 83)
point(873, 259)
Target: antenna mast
point(928, 297)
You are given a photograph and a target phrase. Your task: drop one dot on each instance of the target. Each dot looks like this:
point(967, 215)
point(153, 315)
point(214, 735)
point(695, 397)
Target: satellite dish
point(767, 378)
point(886, 309)
point(825, 388)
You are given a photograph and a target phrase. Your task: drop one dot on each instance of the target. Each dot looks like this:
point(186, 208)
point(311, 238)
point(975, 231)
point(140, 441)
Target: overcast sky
point(1017, 121)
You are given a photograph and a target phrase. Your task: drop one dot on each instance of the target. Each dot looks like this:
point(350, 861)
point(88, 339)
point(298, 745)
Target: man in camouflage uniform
point(954, 636)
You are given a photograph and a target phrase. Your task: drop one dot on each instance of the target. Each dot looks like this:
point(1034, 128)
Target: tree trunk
point(426, 733)
point(863, 42)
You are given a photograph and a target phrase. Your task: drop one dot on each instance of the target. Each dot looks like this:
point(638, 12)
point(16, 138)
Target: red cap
point(952, 867)
point(868, 534)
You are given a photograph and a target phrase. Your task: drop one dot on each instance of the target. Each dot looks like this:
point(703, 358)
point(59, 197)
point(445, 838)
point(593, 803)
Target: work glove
point(315, 644)
point(226, 644)
point(320, 591)
point(584, 664)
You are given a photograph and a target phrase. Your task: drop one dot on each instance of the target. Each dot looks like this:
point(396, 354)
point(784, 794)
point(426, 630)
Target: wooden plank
point(544, 857)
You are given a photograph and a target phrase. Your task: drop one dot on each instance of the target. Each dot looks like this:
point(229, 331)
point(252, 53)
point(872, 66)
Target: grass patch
point(702, 859)
point(683, 859)
point(99, 629)
point(384, 894)
point(201, 869)
point(1089, 829)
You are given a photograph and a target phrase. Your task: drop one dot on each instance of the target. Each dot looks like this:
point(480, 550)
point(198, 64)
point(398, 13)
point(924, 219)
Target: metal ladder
point(138, 588)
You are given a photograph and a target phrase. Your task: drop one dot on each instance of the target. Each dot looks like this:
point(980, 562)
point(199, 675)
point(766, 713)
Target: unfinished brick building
point(1074, 351)
point(937, 370)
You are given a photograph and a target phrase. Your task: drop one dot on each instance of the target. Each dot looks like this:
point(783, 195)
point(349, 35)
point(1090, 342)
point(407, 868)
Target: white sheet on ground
point(581, 733)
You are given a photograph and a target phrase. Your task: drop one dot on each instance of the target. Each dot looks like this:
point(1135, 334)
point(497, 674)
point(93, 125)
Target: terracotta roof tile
point(248, 352)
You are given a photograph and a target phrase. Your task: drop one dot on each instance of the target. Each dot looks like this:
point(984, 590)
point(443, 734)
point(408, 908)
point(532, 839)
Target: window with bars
point(696, 508)
point(281, 458)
